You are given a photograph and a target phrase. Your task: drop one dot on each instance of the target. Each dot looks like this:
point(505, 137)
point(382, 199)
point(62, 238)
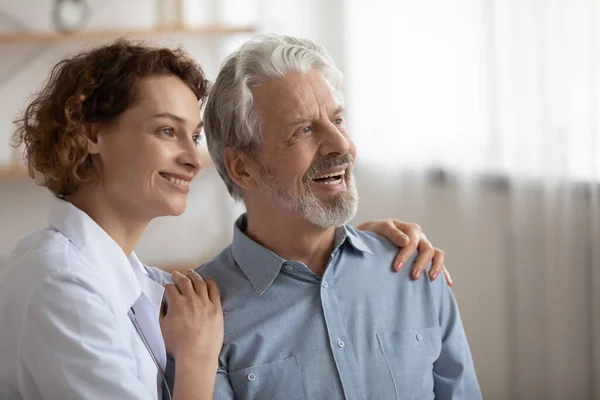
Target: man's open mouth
point(333, 178)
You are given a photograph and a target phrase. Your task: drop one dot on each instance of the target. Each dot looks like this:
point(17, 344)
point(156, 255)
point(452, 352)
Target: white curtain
point(479, 119)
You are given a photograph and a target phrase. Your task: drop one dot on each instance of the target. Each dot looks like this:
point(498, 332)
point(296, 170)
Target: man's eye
point(338, 121)
point(306, 129)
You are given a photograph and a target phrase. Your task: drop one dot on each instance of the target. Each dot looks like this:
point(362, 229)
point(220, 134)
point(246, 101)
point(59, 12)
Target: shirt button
point(251, 377)
point(341, 344)
point(289, 267)
point(325, 285)
point(419, 337)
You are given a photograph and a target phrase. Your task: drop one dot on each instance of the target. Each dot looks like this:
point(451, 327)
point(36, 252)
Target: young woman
point(114, 135)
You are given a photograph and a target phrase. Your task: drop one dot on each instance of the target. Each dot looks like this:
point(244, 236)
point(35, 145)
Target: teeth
point(178, 181)
point(336, 182)
point(342, 172)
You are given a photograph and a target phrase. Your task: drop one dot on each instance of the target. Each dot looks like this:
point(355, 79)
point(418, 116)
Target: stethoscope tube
point(131, 315)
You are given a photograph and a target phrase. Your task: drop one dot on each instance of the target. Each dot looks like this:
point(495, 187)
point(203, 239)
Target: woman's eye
point(166, 131)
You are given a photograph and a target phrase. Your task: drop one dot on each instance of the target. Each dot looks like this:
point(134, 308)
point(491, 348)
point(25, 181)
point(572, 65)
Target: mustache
point(322, 165)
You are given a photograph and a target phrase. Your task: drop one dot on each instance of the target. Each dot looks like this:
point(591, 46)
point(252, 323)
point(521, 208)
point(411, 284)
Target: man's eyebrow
point(304, 120)
point(300, 120)
point(337, 110)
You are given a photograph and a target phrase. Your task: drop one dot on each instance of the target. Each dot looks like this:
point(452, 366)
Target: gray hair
point(230, 118)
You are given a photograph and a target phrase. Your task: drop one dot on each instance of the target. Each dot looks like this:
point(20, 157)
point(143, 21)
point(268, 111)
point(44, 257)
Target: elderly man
point(311, 308)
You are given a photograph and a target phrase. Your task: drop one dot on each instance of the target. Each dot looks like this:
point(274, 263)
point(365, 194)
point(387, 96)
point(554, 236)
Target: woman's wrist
point(194, 377)
point(196, 359)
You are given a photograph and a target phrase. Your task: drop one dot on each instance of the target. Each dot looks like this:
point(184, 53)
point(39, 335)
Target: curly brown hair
point(94, 86)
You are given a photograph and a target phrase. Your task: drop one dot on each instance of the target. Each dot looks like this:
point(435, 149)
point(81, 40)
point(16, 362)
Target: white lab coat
point(64, 329)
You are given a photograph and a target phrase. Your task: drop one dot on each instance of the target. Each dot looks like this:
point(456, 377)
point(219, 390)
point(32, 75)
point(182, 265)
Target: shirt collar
point(261, 266)
point(351, 234)
point(105, 254)
point(153, 290)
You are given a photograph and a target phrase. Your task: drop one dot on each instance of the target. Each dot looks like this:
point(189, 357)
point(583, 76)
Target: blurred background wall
point(478, 119)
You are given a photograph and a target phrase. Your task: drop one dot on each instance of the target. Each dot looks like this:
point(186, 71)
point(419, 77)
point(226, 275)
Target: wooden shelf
point(13, 172)
point(87, 35)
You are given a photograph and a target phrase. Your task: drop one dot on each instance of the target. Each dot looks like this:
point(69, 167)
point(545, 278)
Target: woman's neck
point(121, 224)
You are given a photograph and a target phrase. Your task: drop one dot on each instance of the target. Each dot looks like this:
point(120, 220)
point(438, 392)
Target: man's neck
point(119, 224)
point(292, 237)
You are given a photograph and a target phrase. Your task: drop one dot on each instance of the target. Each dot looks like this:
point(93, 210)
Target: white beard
point(336, 211)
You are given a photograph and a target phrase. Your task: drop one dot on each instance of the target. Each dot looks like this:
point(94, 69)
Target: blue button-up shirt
point(359, 332)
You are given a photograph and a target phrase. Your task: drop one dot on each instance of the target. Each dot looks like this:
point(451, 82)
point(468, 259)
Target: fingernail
point(399, 266)
point(417, 274)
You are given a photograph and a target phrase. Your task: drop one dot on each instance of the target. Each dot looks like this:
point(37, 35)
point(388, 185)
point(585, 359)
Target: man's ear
point(240, 168)
point(92, 138)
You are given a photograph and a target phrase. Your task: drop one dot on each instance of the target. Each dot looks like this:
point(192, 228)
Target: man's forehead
point(298, 93)
point(299, 82)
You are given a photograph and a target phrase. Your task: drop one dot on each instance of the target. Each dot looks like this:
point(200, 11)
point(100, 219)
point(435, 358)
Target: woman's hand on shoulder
point(193, 323)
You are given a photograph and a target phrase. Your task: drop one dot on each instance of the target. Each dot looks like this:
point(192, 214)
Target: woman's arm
point(193, 332)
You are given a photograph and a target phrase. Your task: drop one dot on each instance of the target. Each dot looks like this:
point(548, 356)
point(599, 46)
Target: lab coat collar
point(104, 253)
point(154, 291)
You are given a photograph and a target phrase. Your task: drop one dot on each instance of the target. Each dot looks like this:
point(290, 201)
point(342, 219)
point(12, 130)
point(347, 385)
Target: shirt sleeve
point(71, 347)
point(453, 372)
point(223, 389)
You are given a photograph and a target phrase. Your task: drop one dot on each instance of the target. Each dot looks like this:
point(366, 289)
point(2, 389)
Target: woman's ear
point(91, 135)
point(240, 168)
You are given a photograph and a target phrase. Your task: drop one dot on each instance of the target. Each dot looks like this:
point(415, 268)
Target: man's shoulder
point(383, 249)
point(233, 284)
point(375, 243)
point(218, 266)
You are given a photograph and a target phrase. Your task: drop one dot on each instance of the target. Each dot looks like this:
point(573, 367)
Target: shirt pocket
point(410, 355)
point(278, 380)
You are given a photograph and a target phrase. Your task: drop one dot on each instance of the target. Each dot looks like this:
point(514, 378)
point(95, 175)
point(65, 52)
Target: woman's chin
point(172, 210)
point(177, 211)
